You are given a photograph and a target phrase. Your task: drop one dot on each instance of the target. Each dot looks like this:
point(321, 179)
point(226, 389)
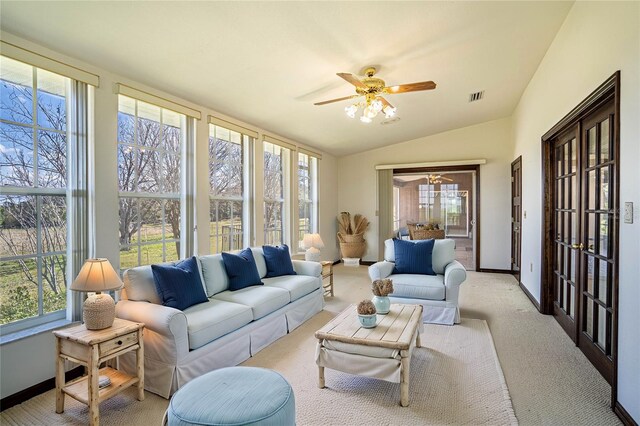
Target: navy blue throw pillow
point(241, 269)
point(413, 257)
point(278, 261)
point(179, 285)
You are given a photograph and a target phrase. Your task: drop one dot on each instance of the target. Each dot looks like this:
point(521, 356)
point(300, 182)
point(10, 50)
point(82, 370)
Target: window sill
point(33, 331)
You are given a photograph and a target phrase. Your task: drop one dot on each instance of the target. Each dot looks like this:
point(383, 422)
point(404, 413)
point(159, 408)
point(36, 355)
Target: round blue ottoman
point(234, 396)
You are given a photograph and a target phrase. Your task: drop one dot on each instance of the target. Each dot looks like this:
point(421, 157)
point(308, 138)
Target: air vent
point(391, 120)
point(476, 96)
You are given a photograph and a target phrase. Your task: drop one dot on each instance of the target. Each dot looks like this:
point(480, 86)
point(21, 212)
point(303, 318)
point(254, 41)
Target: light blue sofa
point(438, 294)
point(225, 331)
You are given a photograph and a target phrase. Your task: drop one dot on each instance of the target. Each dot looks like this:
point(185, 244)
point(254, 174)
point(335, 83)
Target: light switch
point(628, 212)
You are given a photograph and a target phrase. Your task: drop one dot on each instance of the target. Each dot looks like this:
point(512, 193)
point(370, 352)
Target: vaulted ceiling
point(266, 63)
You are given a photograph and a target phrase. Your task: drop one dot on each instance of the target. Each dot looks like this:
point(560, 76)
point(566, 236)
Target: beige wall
point(39, 347)
point(596, 39)
point(490, 141)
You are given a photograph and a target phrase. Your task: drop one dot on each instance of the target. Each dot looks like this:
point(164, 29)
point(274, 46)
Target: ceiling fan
point(372, 88)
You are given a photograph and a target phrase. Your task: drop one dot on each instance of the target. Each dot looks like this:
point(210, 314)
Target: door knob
point(577, 246)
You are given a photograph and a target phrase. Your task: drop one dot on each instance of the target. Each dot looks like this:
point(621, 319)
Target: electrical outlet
point(628, 212)
point(531, 267)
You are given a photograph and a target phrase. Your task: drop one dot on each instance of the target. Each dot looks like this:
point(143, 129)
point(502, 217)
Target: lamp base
point(98, 312)
point(312, 254)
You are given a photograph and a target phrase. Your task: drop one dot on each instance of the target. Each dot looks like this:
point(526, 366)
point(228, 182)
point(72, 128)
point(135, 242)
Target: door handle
point(577, 246)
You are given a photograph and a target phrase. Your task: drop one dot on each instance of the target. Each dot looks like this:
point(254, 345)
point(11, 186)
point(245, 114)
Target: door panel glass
point(604, 141)
point(603, 280)
point(574, 192)
point(604, 188)
point(559, 155)
point(572, 297)
point(566, 183)
point(574, 156)
point(572, 274)
point(574, 229)
point(604, 234)
point(589, 316)
point(591, 189)
point(591, 147)
point(591, 231)
point(564, 295)
point(602, 326)
point(590, 273)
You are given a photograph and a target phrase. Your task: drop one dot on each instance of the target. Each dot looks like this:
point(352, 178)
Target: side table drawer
point(118, 343)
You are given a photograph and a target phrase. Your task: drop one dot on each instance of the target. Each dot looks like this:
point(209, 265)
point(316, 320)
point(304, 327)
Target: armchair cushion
point(443, 253)
point(179, 285)
point(416, 286)
point(413, 257)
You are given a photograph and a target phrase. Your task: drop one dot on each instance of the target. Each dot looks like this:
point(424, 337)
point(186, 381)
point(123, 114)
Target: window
point(426, 201)
point(228, 156)
point(34, 176)
point(307, 196)
point(150, 143)
point(276, 193)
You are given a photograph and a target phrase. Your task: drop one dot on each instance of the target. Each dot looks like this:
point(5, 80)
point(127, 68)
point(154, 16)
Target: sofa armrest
point(454, 275)
point(165, 334)
point(380, 270)
point(305, 267)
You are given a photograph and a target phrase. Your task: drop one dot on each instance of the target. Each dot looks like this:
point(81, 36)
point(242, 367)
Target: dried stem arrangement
point(382, 288)
point(366, 307)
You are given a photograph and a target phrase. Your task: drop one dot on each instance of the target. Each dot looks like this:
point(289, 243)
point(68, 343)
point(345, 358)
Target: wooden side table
point(327, 272)
point(91, 348)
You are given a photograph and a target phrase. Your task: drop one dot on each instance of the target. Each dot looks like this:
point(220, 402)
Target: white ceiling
point(266, 63)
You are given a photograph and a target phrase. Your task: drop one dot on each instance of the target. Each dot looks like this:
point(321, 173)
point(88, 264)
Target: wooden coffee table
point(397, 331)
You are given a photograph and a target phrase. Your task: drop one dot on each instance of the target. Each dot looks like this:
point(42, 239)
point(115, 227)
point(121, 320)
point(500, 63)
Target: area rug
point(455, 379)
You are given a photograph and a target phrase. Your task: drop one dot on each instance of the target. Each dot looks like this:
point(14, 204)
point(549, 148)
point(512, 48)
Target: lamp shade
point(97, 275)
point(312, 241)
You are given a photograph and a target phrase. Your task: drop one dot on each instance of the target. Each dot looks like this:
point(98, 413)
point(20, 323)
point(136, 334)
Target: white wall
point(491, 141)
point(596, 39)
point(17, 374)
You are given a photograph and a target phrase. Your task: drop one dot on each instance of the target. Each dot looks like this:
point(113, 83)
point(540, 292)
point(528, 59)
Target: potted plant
point(367, 314)
point(351, 235)
point(381, 290)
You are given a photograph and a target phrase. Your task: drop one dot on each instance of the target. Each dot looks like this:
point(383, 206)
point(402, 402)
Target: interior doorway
point(516, 216)
point(440, 198)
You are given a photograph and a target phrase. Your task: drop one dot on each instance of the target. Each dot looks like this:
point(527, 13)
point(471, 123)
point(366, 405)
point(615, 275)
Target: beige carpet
point(549, 379)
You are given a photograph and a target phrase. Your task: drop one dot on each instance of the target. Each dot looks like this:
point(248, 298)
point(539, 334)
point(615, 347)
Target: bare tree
point(21, 215)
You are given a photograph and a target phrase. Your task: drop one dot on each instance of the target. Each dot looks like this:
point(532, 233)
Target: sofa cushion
point(430, 287)
point(261, 299)
point(258, 256)
point(443, 253)
point(179, 285)
point(213, 319)
point(241, 269)
point(296, 285)
point(140, 286)
point(278, 261)
point(413, 257)
point(213, 273)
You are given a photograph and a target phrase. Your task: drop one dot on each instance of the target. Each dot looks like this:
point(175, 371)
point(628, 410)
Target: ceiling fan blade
point(385, 102)
point(336, 100)
point(412, 87)
point(353, 80)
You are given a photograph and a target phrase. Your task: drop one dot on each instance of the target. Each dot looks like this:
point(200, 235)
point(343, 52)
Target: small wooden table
point(398, 330)
point(90, 348)
point(327, 272)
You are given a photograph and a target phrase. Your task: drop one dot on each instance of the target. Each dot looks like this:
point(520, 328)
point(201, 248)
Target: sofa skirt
point(165, 378)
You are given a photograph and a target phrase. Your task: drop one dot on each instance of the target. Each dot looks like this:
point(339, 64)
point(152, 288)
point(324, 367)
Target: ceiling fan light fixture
point(365, 119)
point(370, 112)
point(351, 110)
point(377, 105)
point(389, 111)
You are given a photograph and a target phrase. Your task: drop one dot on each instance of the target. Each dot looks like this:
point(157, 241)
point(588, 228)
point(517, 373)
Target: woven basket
point(355, 250)
point(426, 234)
point(350, 238)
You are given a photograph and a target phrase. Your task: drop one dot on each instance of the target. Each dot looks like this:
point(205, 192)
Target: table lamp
point(97, 275)
point(313, 243)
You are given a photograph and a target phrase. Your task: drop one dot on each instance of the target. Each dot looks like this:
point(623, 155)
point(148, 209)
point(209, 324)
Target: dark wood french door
point(584, 222)
point(516, 216)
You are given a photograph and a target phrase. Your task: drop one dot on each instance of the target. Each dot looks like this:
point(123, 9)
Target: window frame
point(311, 203)
point(246, 146)
point(161, 196)
point(39, 192)
point(285, 198)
